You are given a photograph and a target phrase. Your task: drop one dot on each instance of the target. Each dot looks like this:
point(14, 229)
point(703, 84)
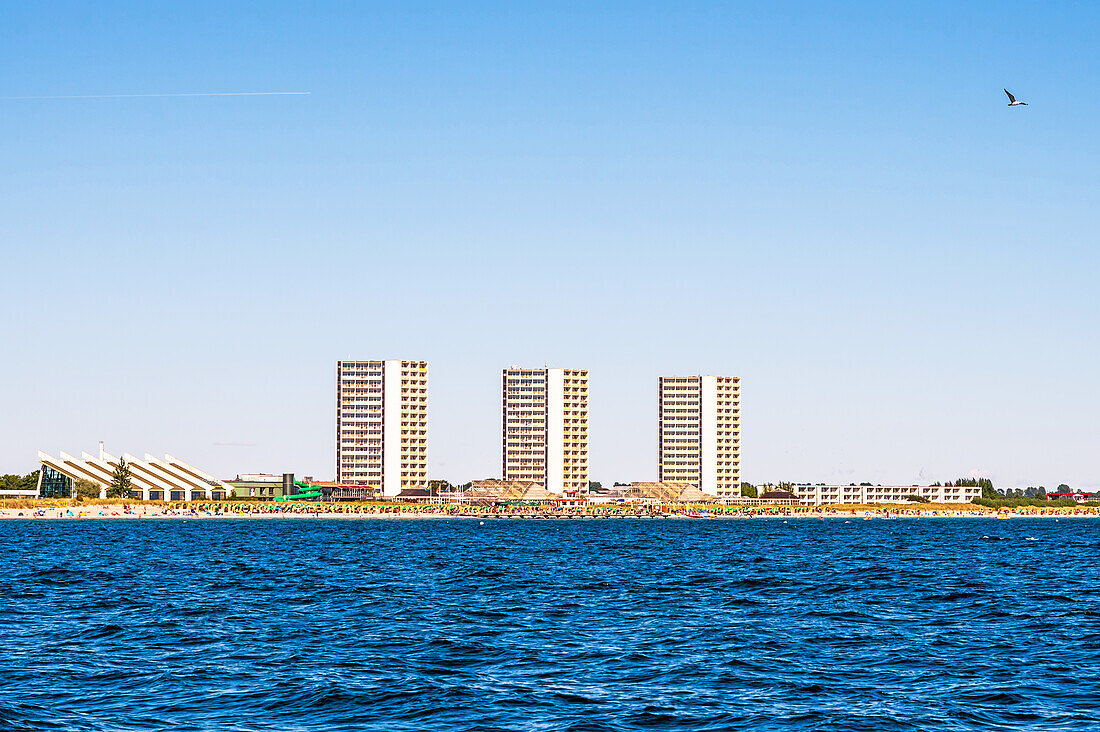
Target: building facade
point(382, 425)
point(151, 478)
point(699, 432)
point(826, 495)
point(544, 424)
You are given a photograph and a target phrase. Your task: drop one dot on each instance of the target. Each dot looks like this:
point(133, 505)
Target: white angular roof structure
point(167, 479)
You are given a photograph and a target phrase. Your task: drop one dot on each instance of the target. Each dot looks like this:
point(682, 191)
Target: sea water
point(950, 624)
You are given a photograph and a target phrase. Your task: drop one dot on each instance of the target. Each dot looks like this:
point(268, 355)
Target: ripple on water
point(593, 625)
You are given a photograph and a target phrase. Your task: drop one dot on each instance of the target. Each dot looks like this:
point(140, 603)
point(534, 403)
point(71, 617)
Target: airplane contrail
point(179, 94)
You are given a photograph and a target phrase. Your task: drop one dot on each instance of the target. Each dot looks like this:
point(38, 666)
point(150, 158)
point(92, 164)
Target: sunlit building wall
point(699, 432)
point(382, 424)
point(544, 425)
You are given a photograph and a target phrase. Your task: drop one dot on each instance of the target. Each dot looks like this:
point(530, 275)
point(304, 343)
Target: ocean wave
point(623, 625)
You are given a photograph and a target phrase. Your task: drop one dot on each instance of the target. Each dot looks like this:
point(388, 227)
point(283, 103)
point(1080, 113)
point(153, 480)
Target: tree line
point(28, 482)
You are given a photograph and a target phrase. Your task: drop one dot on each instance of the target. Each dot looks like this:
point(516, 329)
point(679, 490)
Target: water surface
point(960, 624)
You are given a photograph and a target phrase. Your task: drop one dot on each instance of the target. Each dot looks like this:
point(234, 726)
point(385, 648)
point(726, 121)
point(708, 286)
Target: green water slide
point(308, 491)
point(299, 496)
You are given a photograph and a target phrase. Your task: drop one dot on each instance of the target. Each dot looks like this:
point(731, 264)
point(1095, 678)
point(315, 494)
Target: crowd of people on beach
point(302, 509)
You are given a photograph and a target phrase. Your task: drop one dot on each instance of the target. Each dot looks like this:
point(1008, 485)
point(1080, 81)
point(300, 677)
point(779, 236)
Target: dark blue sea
point(910, 624)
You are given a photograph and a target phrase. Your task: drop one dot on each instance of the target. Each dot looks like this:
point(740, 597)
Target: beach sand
point(44, 510)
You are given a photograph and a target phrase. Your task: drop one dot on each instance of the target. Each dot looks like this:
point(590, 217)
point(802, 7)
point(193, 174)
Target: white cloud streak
point(171, 94)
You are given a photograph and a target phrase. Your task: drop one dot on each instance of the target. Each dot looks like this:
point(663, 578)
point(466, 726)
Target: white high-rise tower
point(382, 424)
point(545, 428)
point(699, 432)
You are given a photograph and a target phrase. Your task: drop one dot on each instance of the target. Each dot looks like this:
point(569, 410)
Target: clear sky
point(830, 200)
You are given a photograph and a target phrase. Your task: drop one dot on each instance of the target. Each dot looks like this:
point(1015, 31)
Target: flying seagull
point(1012, 100)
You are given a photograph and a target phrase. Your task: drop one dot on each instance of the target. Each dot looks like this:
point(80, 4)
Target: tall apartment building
point(699, 432)
point(382, 424)
point(545, 428)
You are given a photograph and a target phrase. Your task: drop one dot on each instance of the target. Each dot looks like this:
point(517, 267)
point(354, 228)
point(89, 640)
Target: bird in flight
point(1012, 100)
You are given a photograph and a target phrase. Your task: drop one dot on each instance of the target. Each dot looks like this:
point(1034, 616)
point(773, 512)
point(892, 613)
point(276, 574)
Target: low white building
point(824, 495)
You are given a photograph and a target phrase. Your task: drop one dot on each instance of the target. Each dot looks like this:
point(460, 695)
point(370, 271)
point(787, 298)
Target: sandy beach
point(43, 510)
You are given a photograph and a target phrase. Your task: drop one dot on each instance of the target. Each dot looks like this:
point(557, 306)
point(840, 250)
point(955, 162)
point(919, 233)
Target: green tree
point(988, 491)
point(748, 490)
point(121, 482)
point(26, 482)
point(86, 488)
point(595, 486)
point(1062, 488)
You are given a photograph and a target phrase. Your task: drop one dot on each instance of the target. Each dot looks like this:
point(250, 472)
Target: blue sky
point(830, 200)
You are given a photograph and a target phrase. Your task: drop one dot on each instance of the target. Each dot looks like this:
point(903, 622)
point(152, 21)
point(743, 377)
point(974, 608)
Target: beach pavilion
point(170, 479)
